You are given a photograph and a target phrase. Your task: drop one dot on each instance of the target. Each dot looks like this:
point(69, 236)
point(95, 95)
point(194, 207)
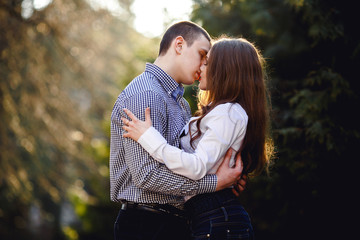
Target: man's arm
point(145, 171)
point(221, 132)
point(149, 174)
point(231, 176)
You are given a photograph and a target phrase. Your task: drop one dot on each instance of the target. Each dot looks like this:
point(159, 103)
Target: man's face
point(192, 58)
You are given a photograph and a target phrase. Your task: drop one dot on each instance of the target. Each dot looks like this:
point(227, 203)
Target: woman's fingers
point(126, 133)
point(125, 121)
point(134, 127)
point(147, 115)
point(130, 114)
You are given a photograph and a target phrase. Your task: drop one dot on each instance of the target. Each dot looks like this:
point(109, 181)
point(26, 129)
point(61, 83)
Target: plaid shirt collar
point(173, 88)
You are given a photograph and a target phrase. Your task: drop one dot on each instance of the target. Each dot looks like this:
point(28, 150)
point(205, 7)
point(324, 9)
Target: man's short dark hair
point(188, 30)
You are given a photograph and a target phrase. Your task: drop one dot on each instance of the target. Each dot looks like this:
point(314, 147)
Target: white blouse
point(222, 128)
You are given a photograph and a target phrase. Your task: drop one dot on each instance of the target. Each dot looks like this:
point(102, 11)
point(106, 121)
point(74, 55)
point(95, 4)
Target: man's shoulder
point(145, 82)
point(145, 88)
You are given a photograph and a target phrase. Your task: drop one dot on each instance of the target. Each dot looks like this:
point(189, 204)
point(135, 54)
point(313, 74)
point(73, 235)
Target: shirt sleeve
point(149, 174)
point(221, 131)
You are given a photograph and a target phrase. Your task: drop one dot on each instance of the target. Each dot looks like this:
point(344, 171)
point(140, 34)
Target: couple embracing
point(177, 176)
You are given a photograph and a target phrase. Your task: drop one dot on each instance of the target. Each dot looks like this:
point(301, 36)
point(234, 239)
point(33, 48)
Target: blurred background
point(64, 62)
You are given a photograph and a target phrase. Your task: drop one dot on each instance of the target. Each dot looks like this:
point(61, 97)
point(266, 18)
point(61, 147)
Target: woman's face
point(202, 79)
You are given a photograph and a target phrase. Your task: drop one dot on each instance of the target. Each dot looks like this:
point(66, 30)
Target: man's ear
point(179, 42)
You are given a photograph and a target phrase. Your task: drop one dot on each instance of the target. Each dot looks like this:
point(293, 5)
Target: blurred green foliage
point(63, 66)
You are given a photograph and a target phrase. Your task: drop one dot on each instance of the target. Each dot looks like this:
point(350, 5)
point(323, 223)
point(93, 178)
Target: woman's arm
point(220, 134)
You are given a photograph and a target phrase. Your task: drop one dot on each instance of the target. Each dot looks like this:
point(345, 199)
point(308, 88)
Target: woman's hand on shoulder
point(135, 128)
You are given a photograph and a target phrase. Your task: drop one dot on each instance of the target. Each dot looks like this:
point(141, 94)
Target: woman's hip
point(218, 215)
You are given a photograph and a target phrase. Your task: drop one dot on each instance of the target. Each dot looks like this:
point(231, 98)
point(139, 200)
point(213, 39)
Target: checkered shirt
point(134, 174)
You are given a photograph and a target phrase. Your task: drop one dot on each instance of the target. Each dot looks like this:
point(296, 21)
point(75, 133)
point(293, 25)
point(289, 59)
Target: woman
point(233, 112)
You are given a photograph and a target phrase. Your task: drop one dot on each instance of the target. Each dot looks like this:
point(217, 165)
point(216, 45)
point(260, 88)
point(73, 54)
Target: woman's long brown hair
point(235, 74)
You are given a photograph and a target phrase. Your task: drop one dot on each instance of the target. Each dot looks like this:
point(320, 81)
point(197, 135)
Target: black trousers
point(137, 224)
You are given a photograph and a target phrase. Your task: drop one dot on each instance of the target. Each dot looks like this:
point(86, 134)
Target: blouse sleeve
point(220, 133)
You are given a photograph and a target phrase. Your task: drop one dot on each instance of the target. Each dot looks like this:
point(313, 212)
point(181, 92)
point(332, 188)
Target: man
point(151, 195)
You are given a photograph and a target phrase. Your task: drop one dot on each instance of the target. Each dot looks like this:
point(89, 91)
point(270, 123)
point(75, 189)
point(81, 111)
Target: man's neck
point(167, 65)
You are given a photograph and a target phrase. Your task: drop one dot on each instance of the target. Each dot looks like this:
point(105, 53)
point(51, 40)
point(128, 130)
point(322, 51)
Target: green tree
point(61, 67)
point(312, 51)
